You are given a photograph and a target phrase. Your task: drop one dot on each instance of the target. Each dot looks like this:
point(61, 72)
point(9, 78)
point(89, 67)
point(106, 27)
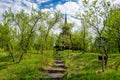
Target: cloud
point(116, 2)
point(16, 5)
point(68, 8)
point(42, 1)
point(71, 9)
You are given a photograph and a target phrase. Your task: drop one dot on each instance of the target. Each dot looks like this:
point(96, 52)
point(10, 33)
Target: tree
point(84, 30)
point(7, 35)
point(45, 28)
point(113, 25)
point(95, 15)
point(6, 39)
point(25, 26)
point(85, 25)
point(77, 40)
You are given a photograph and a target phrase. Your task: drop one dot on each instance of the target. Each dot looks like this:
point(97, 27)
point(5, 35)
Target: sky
point(17, 5)
point(70, 7)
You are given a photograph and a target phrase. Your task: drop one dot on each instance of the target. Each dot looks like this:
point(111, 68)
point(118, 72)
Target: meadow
point(79, 66)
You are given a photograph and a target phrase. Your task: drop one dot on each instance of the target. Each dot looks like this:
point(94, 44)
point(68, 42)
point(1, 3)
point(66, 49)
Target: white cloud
point(77, 23)
point(16, 5)
point(68, 8)
point(42, 1)
point(71, 8)
point(116, 2)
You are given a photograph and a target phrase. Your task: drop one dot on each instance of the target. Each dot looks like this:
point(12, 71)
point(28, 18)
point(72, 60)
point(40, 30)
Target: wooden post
point(103, 64)
point(102, 51)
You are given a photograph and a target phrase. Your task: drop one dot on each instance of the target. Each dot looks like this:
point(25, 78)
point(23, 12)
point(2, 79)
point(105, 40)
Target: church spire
point(65, 18)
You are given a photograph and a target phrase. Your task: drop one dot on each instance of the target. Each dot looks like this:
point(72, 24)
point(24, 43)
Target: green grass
point(87, 67)
point(80, 66)
point(28, 69)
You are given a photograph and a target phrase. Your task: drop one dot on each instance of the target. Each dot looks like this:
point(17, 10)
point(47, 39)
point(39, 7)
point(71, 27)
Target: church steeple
point(65, 18)
point(64, 40)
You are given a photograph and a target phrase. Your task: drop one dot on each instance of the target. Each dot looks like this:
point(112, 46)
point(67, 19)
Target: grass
point(28, 69)
point(87, 67)
point(80, 66)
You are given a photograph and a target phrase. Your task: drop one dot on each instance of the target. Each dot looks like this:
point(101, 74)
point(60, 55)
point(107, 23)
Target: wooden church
point(64, 40)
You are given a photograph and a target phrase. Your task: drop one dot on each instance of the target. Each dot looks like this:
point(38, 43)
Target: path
point(57, 71)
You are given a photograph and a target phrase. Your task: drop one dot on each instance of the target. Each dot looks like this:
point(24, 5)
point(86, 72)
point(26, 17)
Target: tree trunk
point(10, 52)
point(42, 48)
point(105, 51)
point(21, 57)
point(119, 45)
point(84, 36)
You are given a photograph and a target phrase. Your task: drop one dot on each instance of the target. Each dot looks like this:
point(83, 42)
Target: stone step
point(59, 61)
point(55, 76)
point(56, 70)
point(61, 65)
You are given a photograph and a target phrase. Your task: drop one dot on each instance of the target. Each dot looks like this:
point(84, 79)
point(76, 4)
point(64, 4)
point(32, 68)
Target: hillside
point(79, 66)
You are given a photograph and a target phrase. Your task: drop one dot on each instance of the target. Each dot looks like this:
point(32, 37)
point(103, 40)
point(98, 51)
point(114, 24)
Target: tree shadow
point(5, 59)
point(4, 65)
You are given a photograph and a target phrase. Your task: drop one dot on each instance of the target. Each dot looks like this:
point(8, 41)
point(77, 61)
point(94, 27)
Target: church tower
point(64, 40)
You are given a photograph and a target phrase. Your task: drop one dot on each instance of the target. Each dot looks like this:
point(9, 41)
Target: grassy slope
point(28, 69)
point(80, 66)
point(87, 67)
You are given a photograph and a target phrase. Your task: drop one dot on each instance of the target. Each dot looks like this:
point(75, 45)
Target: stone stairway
point(57, 71)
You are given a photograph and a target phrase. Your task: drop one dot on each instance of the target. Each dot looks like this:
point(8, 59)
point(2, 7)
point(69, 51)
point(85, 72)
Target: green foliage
point(21, 32)
point(95, 15)
point(82, 42)
point(113, 28)
point(4, 35)
point(92, 18)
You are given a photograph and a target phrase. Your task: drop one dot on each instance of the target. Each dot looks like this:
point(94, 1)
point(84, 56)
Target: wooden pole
point(103, 64)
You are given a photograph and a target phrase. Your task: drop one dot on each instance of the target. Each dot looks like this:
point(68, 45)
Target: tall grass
point(88, 67)
point(28, 69)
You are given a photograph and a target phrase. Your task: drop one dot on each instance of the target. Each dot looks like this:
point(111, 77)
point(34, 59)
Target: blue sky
point(70, 8)
point(53, 3)
point(27, 4)
point(65, 6)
